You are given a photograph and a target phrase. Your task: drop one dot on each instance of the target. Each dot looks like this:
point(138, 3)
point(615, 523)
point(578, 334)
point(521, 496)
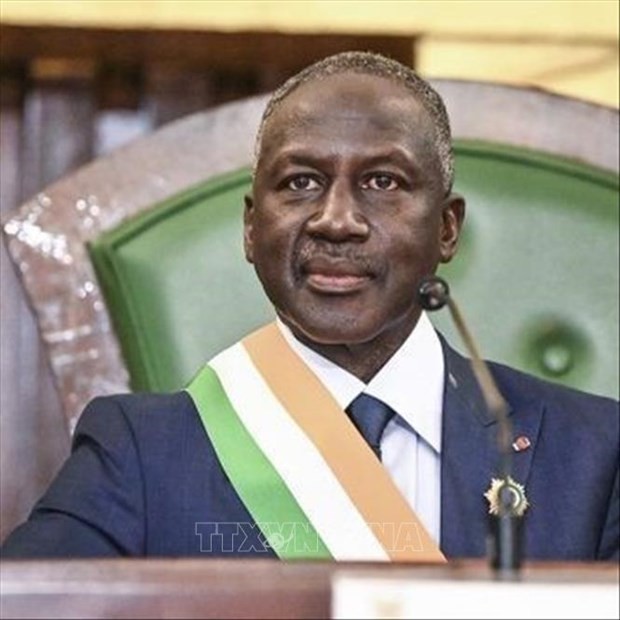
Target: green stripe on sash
point(263, 492)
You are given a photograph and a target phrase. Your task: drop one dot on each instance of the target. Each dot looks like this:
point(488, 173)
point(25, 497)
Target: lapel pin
point(521, 443)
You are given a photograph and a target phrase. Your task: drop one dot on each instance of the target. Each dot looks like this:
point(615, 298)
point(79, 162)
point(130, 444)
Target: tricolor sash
point(307, 477)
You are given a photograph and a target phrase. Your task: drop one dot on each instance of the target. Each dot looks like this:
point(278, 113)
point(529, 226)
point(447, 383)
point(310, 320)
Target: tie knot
point(370, 416)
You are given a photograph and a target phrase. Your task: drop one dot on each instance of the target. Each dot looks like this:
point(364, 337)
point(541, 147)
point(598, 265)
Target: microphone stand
point(505, 540)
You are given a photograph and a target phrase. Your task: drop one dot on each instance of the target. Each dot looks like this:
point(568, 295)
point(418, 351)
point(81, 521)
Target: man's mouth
point(335, 276)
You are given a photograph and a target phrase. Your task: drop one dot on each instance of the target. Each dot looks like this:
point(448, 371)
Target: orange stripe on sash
point(366, 481)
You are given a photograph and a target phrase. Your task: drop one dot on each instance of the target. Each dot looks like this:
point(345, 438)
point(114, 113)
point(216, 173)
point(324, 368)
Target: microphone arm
point(505, 539)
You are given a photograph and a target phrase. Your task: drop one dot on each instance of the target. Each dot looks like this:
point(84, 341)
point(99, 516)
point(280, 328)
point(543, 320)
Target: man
point(351, 207)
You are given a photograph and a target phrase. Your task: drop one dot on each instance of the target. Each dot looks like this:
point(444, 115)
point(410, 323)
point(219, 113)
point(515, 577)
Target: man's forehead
point(348, 100)
point(348, 88)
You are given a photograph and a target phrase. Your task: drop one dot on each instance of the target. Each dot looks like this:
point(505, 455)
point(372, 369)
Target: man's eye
point(302, 183)
point(381, 182)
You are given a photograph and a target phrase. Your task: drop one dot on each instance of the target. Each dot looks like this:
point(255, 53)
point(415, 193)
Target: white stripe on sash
point(302, 467)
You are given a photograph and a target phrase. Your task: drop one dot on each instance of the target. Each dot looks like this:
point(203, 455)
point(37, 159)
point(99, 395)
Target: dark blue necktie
point(370, 416)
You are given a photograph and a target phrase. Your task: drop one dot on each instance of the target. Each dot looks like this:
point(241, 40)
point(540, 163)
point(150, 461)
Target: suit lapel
point(470, 459)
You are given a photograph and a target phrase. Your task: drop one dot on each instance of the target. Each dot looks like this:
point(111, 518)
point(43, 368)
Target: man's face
point(347, 212)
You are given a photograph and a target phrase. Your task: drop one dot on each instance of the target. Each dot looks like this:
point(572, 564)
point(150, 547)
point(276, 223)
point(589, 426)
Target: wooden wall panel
point(172, 93)
point(34, 440)
point(200, 49)
point(58, 125)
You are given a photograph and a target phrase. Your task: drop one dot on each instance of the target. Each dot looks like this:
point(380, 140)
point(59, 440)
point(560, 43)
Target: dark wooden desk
point(216, 588)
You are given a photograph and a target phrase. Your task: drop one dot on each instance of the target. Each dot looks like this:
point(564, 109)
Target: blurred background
point(78, 79)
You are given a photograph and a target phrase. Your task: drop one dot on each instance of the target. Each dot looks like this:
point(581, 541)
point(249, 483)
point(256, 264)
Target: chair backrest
point(537, 273)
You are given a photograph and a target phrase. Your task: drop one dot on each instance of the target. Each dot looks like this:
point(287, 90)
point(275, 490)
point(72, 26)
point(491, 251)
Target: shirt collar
point(411, 382)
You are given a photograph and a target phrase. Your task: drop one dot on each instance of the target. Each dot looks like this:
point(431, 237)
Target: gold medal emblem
point(519, 503)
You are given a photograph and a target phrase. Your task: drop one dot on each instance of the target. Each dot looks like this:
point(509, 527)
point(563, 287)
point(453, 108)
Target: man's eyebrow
point(297, 156)
point(396, 155)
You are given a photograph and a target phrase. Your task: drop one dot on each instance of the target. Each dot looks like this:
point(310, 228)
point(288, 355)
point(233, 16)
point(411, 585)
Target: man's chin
point(332, 331)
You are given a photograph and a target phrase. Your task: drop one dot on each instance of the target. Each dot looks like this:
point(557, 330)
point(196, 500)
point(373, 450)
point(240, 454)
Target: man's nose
point(339, 217)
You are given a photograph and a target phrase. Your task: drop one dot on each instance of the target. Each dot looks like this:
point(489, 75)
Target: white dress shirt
point(412, 384)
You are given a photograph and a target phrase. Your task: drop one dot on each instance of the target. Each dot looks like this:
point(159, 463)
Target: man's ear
point(452, 216)
point(248, 227)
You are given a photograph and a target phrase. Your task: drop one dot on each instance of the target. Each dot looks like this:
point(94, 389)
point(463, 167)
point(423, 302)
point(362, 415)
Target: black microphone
point(505, 540)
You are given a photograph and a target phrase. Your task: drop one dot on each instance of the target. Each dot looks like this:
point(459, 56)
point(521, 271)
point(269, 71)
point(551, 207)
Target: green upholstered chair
point(176, 282)
point(536, 274)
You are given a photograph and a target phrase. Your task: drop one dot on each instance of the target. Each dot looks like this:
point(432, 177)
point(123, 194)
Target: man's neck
point(363, 360)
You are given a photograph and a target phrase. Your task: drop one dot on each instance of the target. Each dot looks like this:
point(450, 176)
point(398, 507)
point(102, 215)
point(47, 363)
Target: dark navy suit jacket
point(143, 478)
